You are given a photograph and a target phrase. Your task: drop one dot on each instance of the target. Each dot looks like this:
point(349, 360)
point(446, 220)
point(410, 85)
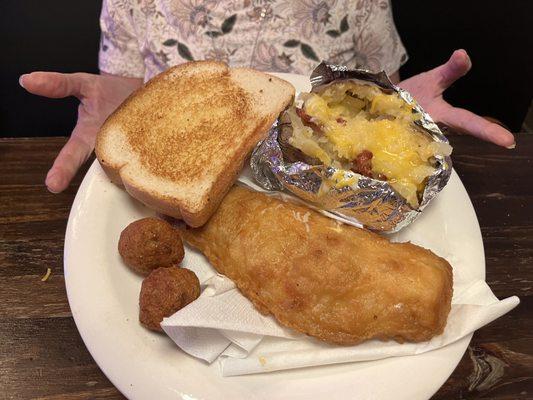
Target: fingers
point(54, 84)
point(456, 67)
point(468, 122)
point(463, 120)
point(75, 152)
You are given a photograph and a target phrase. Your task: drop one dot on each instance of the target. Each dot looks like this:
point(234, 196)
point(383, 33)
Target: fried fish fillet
point(332, 281)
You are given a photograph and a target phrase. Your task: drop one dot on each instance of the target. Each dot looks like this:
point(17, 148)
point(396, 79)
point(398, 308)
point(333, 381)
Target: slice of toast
point(178, 143)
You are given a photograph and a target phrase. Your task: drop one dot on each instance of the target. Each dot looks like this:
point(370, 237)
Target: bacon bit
point(341, 121)
point(363, 163)
point(303, 115)
point(47, 275)
point(307, 120)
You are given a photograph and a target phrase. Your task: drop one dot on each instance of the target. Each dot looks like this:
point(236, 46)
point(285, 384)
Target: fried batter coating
point(332, 281)
point(150, 243)
point(165, 291)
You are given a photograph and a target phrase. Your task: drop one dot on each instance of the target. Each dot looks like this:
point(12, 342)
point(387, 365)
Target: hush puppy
point(165, 291)
point(150, 243)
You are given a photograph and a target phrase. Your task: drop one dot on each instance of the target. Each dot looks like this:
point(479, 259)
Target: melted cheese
point(371, 120)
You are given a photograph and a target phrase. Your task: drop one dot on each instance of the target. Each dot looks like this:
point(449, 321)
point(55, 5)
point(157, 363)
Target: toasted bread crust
point(111, 168)
point(198, 213)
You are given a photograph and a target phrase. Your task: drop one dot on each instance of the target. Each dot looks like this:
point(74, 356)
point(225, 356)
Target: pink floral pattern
point(189, 16)
point(267, 58)
point(144, 37)
point(310, 16)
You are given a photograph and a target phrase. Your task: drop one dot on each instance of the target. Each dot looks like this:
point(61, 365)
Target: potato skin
point(165, 291)
point(150, 243)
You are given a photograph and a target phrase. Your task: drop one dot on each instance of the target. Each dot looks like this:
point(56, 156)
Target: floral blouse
point(141, 38)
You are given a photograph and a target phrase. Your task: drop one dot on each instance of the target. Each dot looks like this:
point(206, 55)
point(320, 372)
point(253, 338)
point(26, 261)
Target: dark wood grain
point(499, 362)
point(43, 357)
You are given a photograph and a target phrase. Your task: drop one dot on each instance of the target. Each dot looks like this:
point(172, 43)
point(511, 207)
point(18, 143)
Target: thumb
point(73, 154)
point(456, 67)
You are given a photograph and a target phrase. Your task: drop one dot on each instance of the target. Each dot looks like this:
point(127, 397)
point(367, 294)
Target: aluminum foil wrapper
point(371, 203)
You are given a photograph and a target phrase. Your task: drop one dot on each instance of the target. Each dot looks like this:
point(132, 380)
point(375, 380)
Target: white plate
point(103, 297)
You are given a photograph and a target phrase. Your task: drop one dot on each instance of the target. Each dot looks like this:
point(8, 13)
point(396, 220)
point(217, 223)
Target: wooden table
point(42, 355)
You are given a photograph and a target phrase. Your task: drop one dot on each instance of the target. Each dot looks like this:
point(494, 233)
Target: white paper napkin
point(222, 325)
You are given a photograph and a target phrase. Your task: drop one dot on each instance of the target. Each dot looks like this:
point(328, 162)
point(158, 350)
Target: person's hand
point(99, 96)
point(427, 89)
